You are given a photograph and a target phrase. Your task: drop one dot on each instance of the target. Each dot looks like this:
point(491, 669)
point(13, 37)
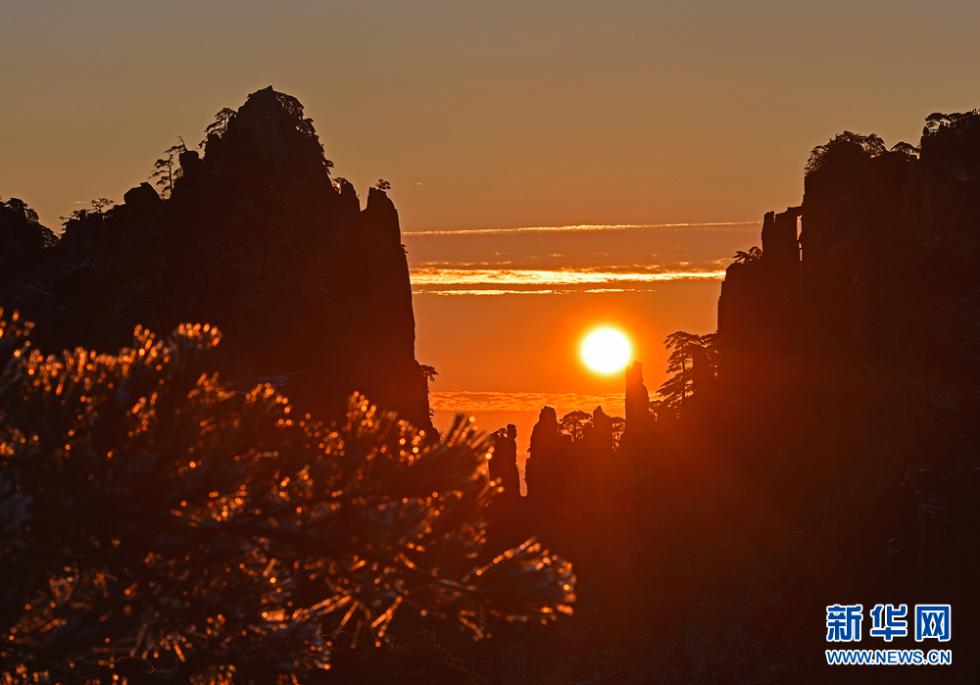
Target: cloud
point(577, 228)
point(466, 401)
point(482, 280)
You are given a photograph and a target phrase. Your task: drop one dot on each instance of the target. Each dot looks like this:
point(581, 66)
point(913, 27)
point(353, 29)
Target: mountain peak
point(270, 127)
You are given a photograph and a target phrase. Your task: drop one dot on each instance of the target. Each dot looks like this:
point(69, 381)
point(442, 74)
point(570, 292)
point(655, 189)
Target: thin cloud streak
point(446, 276)
point(503, 281)
point(576, 228)
point(491, 292)
point(465, 401)
point(549, 291)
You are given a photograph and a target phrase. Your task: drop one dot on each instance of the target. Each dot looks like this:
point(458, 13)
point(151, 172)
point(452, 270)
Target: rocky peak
point(255, 238)
point(269, 132)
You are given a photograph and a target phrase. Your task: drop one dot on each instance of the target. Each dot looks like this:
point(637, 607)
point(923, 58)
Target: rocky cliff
point(880, 272)
point(253, 235)
point(849, 366)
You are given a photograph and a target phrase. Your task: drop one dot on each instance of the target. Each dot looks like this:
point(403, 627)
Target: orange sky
point(542, 289)
point(485, 114)
point(499, 115)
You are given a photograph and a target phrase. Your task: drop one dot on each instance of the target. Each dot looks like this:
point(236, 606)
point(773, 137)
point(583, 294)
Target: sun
point(606, 350)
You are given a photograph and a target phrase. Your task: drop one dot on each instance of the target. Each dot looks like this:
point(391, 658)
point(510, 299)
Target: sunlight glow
point(606, 350)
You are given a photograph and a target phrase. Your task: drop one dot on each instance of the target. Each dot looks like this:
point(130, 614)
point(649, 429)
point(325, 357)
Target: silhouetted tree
point(938, 121)
point(149, 511)
point(76, 215)
point(868, 146)
point(753, 255)
point(166, 169)
point(18, 207)
point(220, 123)
point(692, 360)
point(618, 430)
point(906, 149)
point(428, 372)
point(101, 204)
point(574, 424)
point(16, 220)
point(382, 185)
point(23, 244)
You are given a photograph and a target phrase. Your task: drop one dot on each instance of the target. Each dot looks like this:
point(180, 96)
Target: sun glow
point(606, 350)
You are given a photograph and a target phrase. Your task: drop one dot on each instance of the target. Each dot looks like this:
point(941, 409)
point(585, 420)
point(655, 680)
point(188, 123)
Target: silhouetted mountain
point(23, 240)
point(883, 273)
point(821, 447)
point(311, 291)
point(876, 310)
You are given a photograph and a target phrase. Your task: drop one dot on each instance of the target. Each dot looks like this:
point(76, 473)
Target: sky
point(501, 312)
point(617, 116)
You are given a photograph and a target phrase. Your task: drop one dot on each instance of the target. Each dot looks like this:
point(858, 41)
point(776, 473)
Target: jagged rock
point(257, 239)
point(142, 198)
point(544, 468)
point(190, 164)
point(503, 463)
point(599, 434)
point(348, 197)
point(780, 241)
point(885, 235)
point(637, 397)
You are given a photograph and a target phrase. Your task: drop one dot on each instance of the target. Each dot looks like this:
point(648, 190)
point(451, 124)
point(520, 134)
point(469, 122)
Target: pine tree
point(153, 520)
point(691, 364)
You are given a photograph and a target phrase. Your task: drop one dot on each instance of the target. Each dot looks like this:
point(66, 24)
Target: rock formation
point(503, 463)
point(857, 363)
point(543, 468)
point(639, 420)
point(882, 232)
point(23, 242)
point(311, 292)
point(598, 437)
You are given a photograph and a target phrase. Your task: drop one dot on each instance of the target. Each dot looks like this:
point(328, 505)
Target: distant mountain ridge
point(311, 291)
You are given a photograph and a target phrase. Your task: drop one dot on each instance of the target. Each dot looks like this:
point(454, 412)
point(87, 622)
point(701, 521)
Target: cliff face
point(311, 291)
point(883, 274)
point(757, 309)
point(851, 377)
